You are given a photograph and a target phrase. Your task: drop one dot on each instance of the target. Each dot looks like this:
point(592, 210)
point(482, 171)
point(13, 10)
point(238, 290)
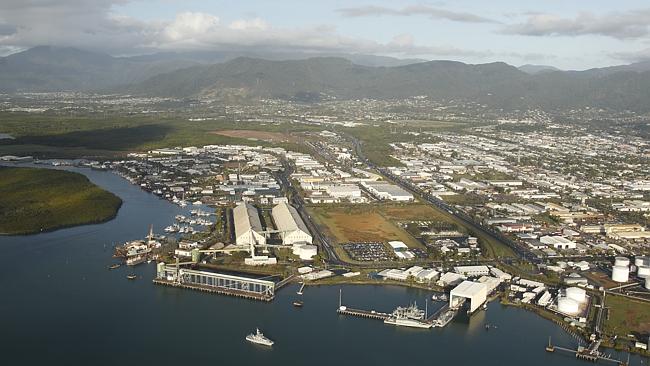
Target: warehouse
point(472, 271)
point(474, 291)
point(248, 228)
point(558, 242)
point(290, 224)
point(387, 191)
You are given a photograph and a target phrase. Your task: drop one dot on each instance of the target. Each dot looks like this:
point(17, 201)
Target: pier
point(589, 353)
point(369, 314)
point(249, 288)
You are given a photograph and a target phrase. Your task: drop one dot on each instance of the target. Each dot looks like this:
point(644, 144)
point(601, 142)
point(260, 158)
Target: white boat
point(259, 338)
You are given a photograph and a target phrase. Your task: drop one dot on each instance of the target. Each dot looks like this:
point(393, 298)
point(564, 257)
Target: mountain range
point(499, 85)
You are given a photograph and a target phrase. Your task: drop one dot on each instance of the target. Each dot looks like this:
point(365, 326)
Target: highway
point(467, 221)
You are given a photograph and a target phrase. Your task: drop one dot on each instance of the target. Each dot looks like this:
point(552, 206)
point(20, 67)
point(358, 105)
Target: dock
point(218, 283)
point(369, 314)
point(217, 290)
point(589, 353)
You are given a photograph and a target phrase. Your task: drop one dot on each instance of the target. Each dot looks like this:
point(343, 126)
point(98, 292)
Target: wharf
point(217, 290)
point(590, 353)
point(369, 314)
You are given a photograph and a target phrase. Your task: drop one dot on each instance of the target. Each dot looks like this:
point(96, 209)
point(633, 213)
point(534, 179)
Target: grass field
point(46, 135)
point(257, 135)
point(371, 222)
point(627, 316)
point(34, 200)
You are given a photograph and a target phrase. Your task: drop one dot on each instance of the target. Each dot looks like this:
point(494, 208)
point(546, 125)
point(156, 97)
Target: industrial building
point(474, 291)
point(248, 228)
point(290, 225)
point(558, 242)
point(387, 191)
point(472, 271)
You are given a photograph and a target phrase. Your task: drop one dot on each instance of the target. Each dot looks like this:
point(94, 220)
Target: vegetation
point(49, 135)
point(627, 316)
point(34, 200)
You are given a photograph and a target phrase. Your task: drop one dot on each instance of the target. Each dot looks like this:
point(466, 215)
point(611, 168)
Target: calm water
point(59, 305)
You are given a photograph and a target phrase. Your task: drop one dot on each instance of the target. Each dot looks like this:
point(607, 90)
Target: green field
point(46, 135)
point(34, 200)
point(627, 316)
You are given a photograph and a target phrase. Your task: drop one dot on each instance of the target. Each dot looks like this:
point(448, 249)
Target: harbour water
point(60, 305)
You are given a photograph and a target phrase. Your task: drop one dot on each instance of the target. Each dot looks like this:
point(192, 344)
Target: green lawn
point(34, 200)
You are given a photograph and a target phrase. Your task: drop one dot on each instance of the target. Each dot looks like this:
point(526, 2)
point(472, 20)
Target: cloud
point(7, 29)
point(620, 25)
point(188, 26)
point(632, 56)
point(94, 25)
point(431, 12)
point(247, 24)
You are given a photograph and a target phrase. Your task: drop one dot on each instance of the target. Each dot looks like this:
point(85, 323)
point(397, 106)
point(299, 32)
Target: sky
point(569, 34)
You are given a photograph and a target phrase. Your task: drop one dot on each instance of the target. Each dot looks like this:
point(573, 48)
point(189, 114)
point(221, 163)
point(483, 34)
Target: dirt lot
point(371, 222)
point(257, 135)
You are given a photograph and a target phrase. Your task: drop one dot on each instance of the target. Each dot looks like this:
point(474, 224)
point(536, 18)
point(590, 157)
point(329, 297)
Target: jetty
point(589, 353)
point(369, 314)
point(219, 283)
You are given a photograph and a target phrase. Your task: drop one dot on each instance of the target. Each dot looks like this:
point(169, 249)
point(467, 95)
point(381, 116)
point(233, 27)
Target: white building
point(248, 228)
point(558, 242)
point(472, 271)
point(387, 191)
point(474, 291)
point(289, 223)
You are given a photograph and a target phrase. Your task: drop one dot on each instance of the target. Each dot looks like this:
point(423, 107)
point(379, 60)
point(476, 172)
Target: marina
point(68, 271)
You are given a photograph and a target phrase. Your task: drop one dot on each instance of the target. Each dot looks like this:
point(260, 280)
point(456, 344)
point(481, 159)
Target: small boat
point(259, 338)
point(114, 266)
point(131, 277)
point(298, 304)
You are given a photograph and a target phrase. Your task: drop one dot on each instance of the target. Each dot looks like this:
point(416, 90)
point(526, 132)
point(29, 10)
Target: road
point(298, 202)
point(467, 221)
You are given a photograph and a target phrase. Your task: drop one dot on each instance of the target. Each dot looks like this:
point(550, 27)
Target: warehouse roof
point(287, 218)
point(246, 218)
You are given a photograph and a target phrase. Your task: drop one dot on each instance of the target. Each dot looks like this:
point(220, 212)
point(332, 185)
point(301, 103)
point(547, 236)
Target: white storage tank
point(642, 261)
point(567, 306)
point(647, 283)
point(620, 274)
point(643, 271)
point(577, 294)
point(621, 261)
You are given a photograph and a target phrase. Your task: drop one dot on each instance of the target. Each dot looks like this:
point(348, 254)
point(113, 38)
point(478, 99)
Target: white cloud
point(94, 25)
point(246, 24)
point(620, 25)
point(431, 12)
point(188, 26)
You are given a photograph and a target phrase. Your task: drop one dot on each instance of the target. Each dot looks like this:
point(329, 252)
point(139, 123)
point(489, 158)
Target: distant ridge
point(188, 75)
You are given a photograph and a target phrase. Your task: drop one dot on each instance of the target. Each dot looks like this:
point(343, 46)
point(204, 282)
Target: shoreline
point(68, 226)
point(36, 231)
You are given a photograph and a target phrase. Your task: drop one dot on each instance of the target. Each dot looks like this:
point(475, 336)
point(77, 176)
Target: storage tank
point(621, 261)
point(620, 273)
point(647, 283)
point(643, 271)
point(577, 294)
point(642, 261)
point(567, 306)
